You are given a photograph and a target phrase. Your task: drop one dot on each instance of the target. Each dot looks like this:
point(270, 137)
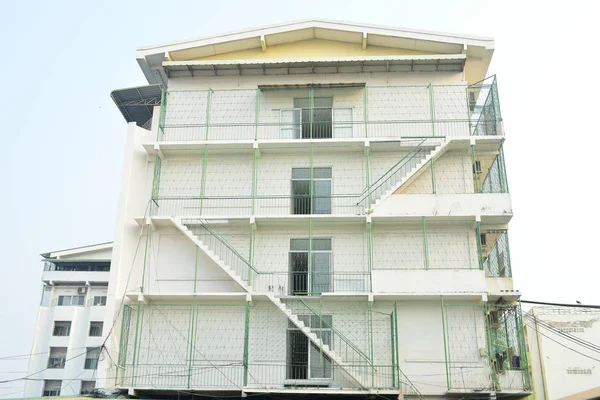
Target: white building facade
point(314, 207)
point(68, 337)
point(564, 351)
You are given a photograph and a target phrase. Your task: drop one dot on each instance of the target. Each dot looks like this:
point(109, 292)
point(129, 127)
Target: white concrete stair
point(413, 173)
point(358, 378)
point(211, 254)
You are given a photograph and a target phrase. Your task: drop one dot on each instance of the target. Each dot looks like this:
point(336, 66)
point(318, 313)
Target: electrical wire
point(574, 339)
point(564, 345)
point(103, 345)
point(560, 304)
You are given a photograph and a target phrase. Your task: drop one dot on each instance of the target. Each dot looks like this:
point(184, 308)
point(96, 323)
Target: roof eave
point(78, 250)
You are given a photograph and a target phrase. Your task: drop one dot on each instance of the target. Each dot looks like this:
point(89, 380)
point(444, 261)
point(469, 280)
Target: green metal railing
point(495, 180)
point(496, 260)
point(272, 205)
point(485, 110)
point(353, 112)
point(485, 347)
point(278, 282)
point(223, 249)
point(395, 174)
point(508, 351)
point(208, 345)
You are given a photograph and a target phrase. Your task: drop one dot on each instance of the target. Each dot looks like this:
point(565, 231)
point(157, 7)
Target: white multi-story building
point(564, 351)
point(70, 324)
point(314, 207)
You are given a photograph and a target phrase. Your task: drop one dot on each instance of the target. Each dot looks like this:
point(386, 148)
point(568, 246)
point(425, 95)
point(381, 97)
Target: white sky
point(64, 138)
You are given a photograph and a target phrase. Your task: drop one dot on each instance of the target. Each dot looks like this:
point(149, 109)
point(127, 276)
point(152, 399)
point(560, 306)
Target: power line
point(574, 339)
point(560, 304)
point(102, 346)
point(565, 346)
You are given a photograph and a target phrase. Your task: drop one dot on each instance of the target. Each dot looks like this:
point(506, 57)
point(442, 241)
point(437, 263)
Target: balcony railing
point(259, 205)
point(356, 112)
point(496, 260)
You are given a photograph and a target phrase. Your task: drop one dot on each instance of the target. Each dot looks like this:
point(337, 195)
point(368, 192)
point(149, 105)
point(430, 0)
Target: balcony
point(347, 179)
point(76, 271)
point(330, 111)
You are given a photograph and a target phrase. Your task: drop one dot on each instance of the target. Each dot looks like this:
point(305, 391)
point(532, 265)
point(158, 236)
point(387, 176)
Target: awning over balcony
point(137, 103)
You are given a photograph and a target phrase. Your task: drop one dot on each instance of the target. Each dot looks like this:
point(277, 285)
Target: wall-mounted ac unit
point(81, 290)
point(472, 101)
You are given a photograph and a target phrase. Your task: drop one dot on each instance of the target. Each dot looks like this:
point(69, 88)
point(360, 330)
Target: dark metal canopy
point(137, 103)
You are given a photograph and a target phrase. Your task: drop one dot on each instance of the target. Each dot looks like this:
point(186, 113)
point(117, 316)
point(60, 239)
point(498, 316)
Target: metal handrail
point(338, 333)
point(225, 243)
point(368, 191)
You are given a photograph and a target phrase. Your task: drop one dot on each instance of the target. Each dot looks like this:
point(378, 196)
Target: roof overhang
point(453, 62)
point(77, 250)
point(156, 62)
point(137, 103)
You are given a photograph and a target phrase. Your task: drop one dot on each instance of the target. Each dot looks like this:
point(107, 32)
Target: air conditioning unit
point(477, 167)
point(472, 101)
point(483, 240)
point(81, 290)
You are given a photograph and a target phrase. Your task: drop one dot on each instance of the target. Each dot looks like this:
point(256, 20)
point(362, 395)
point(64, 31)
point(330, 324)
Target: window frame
point(311, 188)
point(92, 326)
point(309, 276)
point(307, 320)
point(54, 328)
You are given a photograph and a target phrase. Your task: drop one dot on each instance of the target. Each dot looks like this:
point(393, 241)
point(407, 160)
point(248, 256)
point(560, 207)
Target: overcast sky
point(64, 139)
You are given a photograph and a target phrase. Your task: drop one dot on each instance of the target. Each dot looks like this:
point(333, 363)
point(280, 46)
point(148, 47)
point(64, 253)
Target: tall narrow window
point(57, 357)
point(305, 360)
point(306, 122)
point(310, 269)
point(91, 358)
point(317, 200)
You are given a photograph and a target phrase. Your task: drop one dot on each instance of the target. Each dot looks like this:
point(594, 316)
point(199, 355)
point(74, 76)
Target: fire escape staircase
point(239, 270)
point(406, 170)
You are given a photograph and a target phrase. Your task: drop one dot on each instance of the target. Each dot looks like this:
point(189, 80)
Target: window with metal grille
point(52, 388)
point(314, 277)
point(57, 357)
point(305, 360)
point(61, 328)
point(96, 328)
point(311, 194)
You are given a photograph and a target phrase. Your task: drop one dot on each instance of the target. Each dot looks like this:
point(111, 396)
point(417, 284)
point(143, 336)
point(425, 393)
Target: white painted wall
point(554, 365)
point(172, 262)
point(76, 343)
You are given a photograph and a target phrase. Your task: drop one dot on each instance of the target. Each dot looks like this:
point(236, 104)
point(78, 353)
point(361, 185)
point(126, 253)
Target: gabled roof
point(478, 50)
point(78, 250)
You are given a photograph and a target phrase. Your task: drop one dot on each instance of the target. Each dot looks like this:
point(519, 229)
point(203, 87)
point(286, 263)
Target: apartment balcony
point(329, 112)
point(76, 271)
point(323, 345)
point(412, 177)
point(75, 276)
point(339, 257)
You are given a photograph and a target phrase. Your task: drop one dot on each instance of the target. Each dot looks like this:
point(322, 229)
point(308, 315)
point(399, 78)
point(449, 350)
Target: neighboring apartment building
point(70, 324)
point(564, 346)
point(315, 207)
